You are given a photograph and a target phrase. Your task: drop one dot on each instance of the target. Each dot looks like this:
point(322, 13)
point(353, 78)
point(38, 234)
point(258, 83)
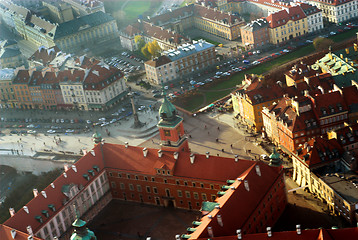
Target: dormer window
point(86, 177)
point(45, 213)
point(91, 172)
point(95, 167)
point(39, 218)
point(52, 207)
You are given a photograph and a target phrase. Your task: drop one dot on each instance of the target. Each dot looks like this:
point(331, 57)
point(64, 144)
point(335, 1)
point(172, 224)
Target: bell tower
point(171, 128)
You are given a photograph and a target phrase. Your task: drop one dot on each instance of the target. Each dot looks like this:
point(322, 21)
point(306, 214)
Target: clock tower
point(171, 128)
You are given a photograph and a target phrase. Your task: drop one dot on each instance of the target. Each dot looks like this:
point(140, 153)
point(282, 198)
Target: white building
point(314, 16)
point(337, 11)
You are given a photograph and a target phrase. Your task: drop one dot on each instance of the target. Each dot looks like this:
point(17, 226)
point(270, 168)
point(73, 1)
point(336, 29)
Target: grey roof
point(344, 188)
point(187, 49)
point(256, 25)
point(7, 74)
point(88, 21)
point(7, 43)
point(9, 52)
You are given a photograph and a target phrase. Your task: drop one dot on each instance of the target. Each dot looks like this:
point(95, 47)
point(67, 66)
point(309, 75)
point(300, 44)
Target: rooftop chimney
point(35, 191)
point(52, 185)
point(13, 233)
point(12, 212)
point(44, 194)
point(145, 152)
point(30, 238)
point(217, 207)
point(126, 144)
point(246, 183)
point(298, 229)
point(26, 209)
point(177, 237)
point(220, 220)
point(66, 167)
point(192, 158)
point(74, 168)
point(93, 153)
point(236, 158)
point(160, 153)
point(207, 154)
point(29, 230)
point(210, 231)
point(148, 238)
point(238, 232)
point(258, 171)
point(269, 233)
point(65, 175)
point(176, 155)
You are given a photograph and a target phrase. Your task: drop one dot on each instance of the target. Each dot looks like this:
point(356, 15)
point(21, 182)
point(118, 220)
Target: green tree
point(321, 43)
point(138, 39)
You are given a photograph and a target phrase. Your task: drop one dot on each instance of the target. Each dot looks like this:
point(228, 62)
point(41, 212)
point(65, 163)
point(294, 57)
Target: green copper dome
point(275, 158)
point(167, 110)
point(78, 223)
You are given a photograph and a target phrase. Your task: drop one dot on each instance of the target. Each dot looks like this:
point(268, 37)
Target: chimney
point(239, 179)
point(238, 232)
point(13, 233)
point(35, 191)
point(44, 194)
point(93, 153)
point(74, 168)
point(26, 209)
point(236, 158)
point(52, 185)
point(176, 155)
point(269, 233)
point(210, 231)
point(160, 153)
point(148, 238)
point(207, 154)
point(12, 212)
point(126, 144)
point(29, 230)
point(220, 220)
point(145, 152)
point(177, 237)
point(65, 175)
point(30, 238)
point(217, 207)
point(192, 158)
point(298, 229)
point(246, 183)
point(66, 167)
point(258, 171)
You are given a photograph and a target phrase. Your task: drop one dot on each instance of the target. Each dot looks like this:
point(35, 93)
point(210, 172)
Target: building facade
point(255, 34)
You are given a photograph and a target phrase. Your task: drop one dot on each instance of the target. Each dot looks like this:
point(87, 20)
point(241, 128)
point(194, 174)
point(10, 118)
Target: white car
point(142, 107)
point(70, 131)
point(285, 50)
point(31, 131)
point(51, 131)
point(102, 119)
point(219, 73)
point(30, 126)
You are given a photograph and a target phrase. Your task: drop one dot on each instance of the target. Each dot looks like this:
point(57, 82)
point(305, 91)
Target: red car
point(250, 53)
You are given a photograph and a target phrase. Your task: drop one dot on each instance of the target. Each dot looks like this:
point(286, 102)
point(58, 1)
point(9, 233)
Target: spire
point(81, 232)
point(167, 111)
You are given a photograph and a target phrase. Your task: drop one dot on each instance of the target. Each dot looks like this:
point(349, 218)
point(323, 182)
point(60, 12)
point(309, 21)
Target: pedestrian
point(222, 150)
point(217, 140)
point(218, 128)
point(44, 144)
point(231, 145)
point(189, 136)
point(208, 133)
point(205, 127)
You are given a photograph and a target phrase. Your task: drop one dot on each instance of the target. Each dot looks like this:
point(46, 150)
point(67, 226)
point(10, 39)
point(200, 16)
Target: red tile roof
point(333, 2)
point(307, 234)
point(238, 204)
point(265, 93)
point(320, 151)
point(55, 196)
point(22, 77)
point(326, 102)
point(159, 61)
point(350, 95)
point(214, 168)
point(5, 233)
point(280, 18)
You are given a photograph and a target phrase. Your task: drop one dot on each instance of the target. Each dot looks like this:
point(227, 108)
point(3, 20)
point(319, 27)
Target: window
point(196, 195)
point(155, 190)
point(110, 174)
point(203, 196)
point(177, 182)
point(211, 186)
point(180, 194)
point(148, 189)
point(187, 194)
point(186, 183)
point(139, 188)
point(201, 185)
point(113, 184)
point(131, 187)
point(136, 177)
point(194, 185)
point(153, 179)
point(145, 178)
point(167, 133)
point(119, 175)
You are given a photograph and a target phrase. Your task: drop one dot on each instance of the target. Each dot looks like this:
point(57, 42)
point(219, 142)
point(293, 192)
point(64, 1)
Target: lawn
point(135, 8)
point(343, 36)
point(223, 88)
point(208, 40)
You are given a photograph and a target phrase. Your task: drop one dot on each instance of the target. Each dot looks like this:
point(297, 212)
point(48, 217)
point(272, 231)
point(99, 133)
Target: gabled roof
point(22, 77)
point(350, 95)
point(162, 60)
point(82, 23)
point(264, 94)
point(320, 151)
point(11, 233)
point(329, 104)
point(238, 202)
point(54, 195)
point(282, 17)
point(45, 55)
